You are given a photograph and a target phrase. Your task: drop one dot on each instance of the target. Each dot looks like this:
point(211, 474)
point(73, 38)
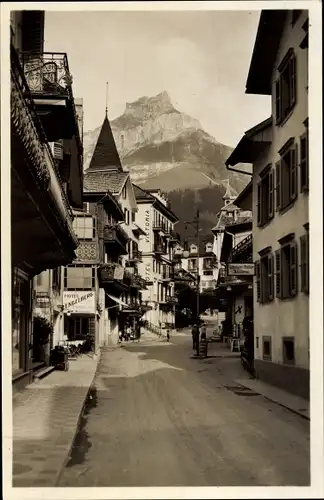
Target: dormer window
point(193, 248)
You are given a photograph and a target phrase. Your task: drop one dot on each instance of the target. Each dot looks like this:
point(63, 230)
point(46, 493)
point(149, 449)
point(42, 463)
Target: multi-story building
point(278, 150)
point(42, 192)
point(157, 220)
point(203, 263)
point(109, 195)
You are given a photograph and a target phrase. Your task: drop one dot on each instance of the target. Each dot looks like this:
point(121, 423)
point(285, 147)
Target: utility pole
point(196, 224)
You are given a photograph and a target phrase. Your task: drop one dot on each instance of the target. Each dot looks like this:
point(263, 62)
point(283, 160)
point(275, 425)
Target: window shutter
point(278, 100)
point(271, 195)
point(33, 31)
point(293, 269)
point(278, 186)
point(258, 280)
point(259, 215)
point(292, 70)
point(270, 277)
point(293, 173)
point(302, 241)
point(278, 274)
point(307, 264)
point(304, 162)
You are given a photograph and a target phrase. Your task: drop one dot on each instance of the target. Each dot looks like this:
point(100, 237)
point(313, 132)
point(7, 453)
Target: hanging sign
point(240, 269)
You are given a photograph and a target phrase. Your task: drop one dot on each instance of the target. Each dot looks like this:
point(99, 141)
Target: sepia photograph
point(157, 227)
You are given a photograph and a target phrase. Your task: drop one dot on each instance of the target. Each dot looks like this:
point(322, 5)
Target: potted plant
point(42, 332)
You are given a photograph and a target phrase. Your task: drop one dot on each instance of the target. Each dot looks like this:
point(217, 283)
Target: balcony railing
point(30, 131)
point(49, 74)
point(112, 272)
point(160, 226)
point(136, 256)
point(115, 234)
point(243, 246)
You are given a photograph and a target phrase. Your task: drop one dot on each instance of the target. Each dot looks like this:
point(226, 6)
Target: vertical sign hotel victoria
point(147, 229)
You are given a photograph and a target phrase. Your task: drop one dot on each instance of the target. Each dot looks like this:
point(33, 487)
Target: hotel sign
point(240, 269)
point(79, 302)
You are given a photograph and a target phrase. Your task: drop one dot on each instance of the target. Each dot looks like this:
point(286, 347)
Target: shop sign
point(79, 302)
point(240, 269)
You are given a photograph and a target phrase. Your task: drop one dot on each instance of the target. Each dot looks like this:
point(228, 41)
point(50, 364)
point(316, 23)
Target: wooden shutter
point(278, 254)
point(278, 99)
point(293, 173)
point(278, 186)
point(302, 241)
point(257, 266)
point(271, 195)
point(270, 277)
point(304, 162)
point(33, 31)
point(293, 79)
point(307, 265)
point(293, 270)
point(259, 213)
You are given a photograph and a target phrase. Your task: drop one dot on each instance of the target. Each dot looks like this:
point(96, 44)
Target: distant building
point(157, 249)
point(204, 262)
point(278, 150)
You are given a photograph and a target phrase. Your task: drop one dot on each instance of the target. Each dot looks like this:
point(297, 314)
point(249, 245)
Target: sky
point(200, 58)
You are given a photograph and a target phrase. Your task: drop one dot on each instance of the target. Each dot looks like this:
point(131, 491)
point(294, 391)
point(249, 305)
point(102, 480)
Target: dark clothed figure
point(195, 337)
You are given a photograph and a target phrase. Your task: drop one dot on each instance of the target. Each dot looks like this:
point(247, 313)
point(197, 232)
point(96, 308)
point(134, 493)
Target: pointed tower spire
point(106, 99)
point(105, 155)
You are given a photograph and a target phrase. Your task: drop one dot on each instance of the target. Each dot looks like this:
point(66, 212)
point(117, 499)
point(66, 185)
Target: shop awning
point(117, 300)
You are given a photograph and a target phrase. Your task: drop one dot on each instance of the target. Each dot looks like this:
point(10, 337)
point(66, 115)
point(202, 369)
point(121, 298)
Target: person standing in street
point(195, 337)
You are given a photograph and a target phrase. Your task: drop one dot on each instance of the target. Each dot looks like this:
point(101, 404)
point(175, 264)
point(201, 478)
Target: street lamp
point(196, 225)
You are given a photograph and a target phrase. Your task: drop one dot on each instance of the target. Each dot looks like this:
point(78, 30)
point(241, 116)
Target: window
point(304, 263)
point(266, 351)
point(265, 197)
point(288, 350)
point(133, 216)
point(77, 328)
point(126, 215)
point(56, 278)
point(79, 277)
point(124, 192)
point(264, 272)
point(286, 176)
point(84, 227)
point(257, 342)
point(285, 87)
point(286, 270)
point(304, 162)
point(40, 279)
point(192, 264)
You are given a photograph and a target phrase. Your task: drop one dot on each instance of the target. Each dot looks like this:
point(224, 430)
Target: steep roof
point(104, 180)
point(230, 193)
point(143, 195)
point(105, 155)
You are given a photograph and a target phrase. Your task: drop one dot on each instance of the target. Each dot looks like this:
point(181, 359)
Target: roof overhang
point(240, 227)
point(265, 51)
point(253, 143)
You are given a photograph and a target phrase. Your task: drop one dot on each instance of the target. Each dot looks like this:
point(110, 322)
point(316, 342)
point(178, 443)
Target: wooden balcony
point(158, 249)
point(113, 275)
point(50, 82)
point(135, 257)
point(116, 238)
point(41, 216)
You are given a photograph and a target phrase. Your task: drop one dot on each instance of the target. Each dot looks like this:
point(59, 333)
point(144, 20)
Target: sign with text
point(240, 269)
point(79, 302)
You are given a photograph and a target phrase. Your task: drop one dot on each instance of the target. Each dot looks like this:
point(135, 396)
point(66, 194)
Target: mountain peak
point(145, 107)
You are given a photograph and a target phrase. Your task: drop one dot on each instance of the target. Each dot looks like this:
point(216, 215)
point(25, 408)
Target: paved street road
point(159, 418)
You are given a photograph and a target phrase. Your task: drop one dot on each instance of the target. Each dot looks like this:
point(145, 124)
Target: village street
point(157, 417)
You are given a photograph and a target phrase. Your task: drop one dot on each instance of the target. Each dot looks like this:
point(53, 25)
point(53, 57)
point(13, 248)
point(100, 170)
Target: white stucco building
point(203, 261)
point(156, 247)
point(278, 150)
